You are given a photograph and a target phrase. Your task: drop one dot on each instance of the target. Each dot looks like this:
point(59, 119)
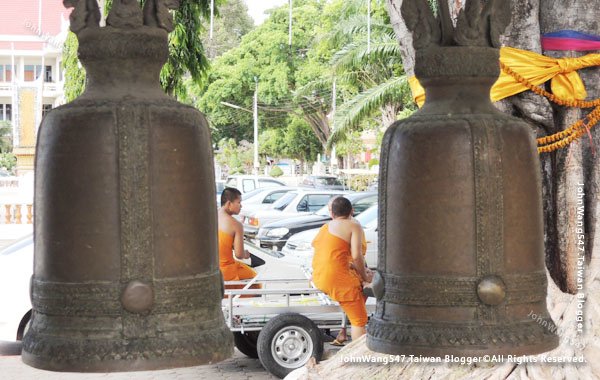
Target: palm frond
point(363, 105)
point(357, 54)
point(318, 86)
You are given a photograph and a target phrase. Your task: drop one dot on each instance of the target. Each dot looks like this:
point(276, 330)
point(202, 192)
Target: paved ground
point(239, 367)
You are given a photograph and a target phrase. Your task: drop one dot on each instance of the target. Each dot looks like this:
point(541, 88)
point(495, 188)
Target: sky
point(256, 8)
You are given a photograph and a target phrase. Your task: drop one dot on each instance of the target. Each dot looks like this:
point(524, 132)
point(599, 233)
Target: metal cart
point(283, 323)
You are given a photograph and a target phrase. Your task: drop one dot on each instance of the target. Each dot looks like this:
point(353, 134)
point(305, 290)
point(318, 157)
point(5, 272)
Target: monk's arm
point(357, 256)
point(238, 242)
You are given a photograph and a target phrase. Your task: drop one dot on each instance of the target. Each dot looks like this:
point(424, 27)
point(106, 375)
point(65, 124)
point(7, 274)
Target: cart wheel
point(287, 342)
point(246, 343)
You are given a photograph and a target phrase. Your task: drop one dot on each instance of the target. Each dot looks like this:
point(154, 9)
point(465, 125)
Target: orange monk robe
point(231, 269)
point(333, 275)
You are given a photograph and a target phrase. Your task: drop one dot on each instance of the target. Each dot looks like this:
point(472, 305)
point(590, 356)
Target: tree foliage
point(263, 55)
point(74, 73)
point(6, 135)
point(232, 23)
point(186, 52)
point(236, 158)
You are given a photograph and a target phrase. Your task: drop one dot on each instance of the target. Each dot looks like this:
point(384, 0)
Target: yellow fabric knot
point(536, 69)
point(568, 65)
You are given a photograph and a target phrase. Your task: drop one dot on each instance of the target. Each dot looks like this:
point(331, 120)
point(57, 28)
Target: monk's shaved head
point(230, 194)
point(341, 207)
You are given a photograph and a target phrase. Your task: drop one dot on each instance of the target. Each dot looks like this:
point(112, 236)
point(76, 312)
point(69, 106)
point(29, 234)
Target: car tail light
point(253, 221)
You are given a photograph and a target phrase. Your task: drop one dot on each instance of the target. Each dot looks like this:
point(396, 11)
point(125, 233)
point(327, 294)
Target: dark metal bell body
point(461, 229)
point(126, 270)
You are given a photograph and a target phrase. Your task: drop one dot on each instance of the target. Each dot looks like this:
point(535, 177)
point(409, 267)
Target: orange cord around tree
point(574, 131)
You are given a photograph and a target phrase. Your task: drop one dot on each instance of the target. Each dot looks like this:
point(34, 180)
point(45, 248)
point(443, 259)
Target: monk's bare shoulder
point(228, 224)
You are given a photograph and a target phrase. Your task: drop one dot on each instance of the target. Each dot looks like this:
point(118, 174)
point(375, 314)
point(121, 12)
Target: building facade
point(32, 34)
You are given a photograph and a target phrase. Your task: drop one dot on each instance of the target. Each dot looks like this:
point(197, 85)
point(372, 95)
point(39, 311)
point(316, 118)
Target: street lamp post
point(256, 164)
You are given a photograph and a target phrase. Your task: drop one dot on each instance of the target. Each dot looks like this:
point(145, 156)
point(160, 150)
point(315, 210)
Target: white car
point(16, 267)
point(299, 249)
point(294, 203)
point(262, 199)
point(246, 183)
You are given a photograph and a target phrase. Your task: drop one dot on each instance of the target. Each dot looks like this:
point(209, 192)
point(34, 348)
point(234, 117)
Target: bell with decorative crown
point(461, 262)
point(126, 273)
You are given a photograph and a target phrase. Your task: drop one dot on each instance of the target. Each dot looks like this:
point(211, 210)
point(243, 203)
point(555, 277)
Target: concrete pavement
point(239, 367)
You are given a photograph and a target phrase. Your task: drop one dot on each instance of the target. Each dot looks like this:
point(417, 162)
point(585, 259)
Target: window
point(271, 198)
point(313, 202)
point(284, 201)
point(317, 201)
point(32, 72)
point(6, 73)
point(328, 181)
point(8, 112)
point(48, 74)
point(248, 185)
point(45, 109)
point(363, 204)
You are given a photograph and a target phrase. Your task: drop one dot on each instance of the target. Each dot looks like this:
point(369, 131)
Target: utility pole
point(290, 26)
point(368, 26)
point(333, 107)
point(256, 163)
point(212, 16)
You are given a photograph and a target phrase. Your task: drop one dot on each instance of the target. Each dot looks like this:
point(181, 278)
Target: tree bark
point(388, 114)
point(576, 164)
point(563, 171)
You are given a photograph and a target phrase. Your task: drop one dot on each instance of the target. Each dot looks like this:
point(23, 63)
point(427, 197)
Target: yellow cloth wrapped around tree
point(537, 69)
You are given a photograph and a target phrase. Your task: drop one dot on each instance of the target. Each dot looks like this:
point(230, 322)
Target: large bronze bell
point(461, 257)
point(126, 270)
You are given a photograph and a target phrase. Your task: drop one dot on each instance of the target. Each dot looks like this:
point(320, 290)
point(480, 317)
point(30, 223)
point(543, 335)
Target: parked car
point(16, 266)
point(274, 235)
point(263, 199)
point(246, 183)
point(293, 203)
point(299, 250)
point(328, 182)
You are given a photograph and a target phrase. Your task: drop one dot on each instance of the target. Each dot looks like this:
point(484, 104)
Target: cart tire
point(287, 342)
point(246, 343)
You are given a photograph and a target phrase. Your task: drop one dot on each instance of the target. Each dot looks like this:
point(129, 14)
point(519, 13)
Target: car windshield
point(328, 181)
point(284, 201)
point(368, 216)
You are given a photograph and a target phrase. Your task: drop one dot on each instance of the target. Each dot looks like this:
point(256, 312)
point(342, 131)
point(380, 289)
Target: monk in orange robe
point(338, 264)
point(231, 238)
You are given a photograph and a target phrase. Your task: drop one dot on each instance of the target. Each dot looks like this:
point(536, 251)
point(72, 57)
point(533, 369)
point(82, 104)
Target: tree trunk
point(581, 163)
point(388, 114)
point(318, 122)
point(565, 169)
point(563, 172)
